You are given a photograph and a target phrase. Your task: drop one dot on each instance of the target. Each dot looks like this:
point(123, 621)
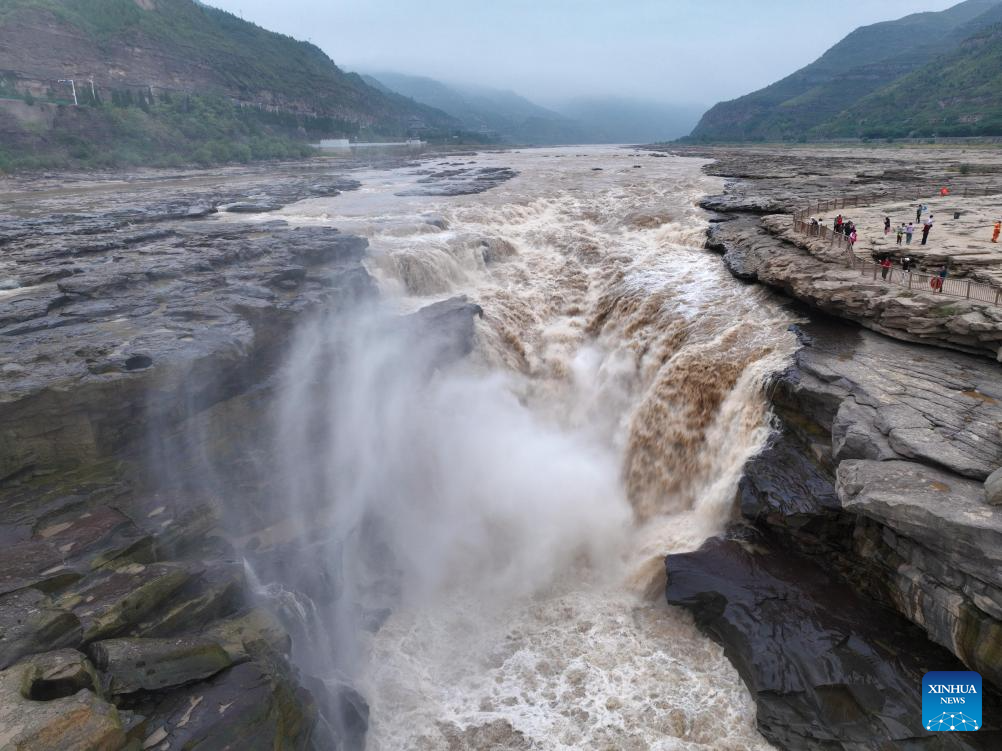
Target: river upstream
point(527, 494)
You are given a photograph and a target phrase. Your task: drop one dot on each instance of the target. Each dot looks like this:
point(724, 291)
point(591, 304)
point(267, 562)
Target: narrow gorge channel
point(491, 528)
point(384, 456)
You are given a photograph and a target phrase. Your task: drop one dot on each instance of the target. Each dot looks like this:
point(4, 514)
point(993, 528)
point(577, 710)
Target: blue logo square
point(951, 701)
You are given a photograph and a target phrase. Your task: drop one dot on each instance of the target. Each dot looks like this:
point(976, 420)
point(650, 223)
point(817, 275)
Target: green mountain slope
point(169, 77)
point(959, 94)
point(866, 61)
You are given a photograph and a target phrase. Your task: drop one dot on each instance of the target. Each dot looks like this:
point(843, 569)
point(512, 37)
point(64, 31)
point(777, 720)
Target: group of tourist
point(845, 227)
point(906, 231)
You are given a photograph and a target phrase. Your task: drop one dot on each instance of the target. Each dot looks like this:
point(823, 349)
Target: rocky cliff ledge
point(870, 547)
point(140, 326)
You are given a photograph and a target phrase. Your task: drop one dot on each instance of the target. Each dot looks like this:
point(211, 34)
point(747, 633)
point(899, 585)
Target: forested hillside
point(172, 81)
point(862, 69)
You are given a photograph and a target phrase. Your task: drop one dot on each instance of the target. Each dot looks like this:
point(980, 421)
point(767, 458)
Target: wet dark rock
point(250, 207)
point(288, 278)
point(30, 623)
point(344, 715)
point(497, 250)
point(876, 474)
point(328, 247)
point(216, 593)
point(33, 563)
point(437, 221)
point(837, 678)
point(109, 602)
point(88, 539)
point(782, 482)
point(334, 187)
point(136, 664)
point(461, 181)
point(449, 327)
point(244, 708)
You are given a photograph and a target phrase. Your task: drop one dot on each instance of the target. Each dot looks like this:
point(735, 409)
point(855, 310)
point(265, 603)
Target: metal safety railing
point(967, 289)
point(919, 194)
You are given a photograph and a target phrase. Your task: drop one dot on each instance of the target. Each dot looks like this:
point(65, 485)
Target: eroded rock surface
point(140, 312)
point(836, 677)
point(767, 250)
point(869, 512)
point(876, 475)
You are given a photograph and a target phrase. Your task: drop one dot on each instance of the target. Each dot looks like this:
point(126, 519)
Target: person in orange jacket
point(995, 233)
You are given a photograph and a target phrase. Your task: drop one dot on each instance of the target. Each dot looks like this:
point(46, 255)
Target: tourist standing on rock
point(926, 227)
point(906, 263)
point(852, 238)
point(887, 226)
point(838, 224)
point(919, 211)
point(909, 231)
point(901, 232)
point(940, 279)
point(996, 231)
point(885, 266)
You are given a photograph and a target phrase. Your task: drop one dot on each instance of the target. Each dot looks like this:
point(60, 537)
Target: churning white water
point(510, 512)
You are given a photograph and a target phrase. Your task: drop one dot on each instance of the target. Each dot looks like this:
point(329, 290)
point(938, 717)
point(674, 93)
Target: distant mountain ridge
point(503, 115)
point(810, 103)
point(514, 119)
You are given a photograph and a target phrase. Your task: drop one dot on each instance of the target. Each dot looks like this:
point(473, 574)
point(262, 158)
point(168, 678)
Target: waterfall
point(480, 540)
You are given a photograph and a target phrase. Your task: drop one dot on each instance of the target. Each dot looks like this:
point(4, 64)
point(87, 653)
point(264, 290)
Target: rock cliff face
point(139, 336)
point(867, 539)
point(769, 251)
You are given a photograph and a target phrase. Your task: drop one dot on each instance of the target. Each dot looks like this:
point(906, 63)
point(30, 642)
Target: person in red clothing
point(885, 267)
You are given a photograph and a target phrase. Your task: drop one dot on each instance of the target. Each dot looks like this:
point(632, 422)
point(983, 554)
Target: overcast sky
point(688, 51)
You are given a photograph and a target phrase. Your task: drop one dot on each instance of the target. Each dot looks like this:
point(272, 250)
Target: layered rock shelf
point(869, 549)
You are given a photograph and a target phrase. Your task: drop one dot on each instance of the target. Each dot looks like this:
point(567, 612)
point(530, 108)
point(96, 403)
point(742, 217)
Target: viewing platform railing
point(967, 289)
